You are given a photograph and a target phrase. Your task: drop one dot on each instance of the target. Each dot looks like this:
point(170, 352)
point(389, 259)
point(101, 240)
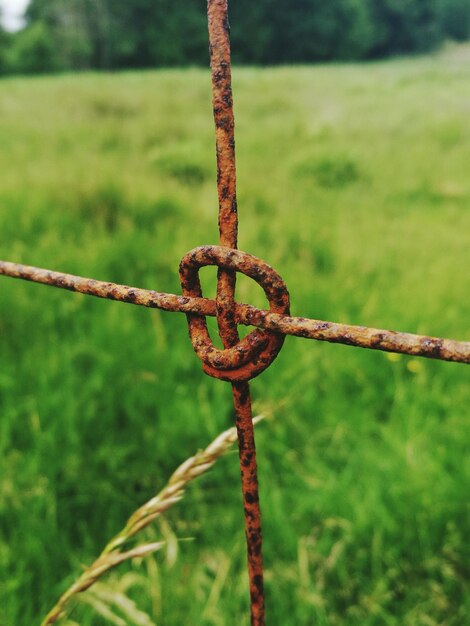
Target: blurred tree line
point(114, 34)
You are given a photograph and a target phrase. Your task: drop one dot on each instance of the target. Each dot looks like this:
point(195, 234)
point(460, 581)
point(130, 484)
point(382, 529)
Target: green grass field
point(354, 184)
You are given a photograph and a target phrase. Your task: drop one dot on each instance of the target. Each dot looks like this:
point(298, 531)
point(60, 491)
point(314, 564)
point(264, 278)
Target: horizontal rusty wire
point(245, 314)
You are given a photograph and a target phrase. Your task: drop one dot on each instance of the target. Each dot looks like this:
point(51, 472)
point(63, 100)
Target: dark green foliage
point(33, 51)
point(4, 45)
point(113, 34)
point(455, 18)
point(404, 26)
point(117, 34)
point(158, 33)
point(301, 30)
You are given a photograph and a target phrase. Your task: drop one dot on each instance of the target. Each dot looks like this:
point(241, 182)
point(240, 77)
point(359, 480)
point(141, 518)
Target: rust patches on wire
point(236, 363)
point(222, 101)
point(253, 354)
point(240, 360)
point(247, 315)
point(249, 472)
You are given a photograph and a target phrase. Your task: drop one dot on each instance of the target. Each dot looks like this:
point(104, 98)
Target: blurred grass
point(353, 184)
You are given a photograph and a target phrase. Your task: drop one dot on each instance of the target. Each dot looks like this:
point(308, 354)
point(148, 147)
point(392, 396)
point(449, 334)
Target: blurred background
point(53, 35)
point(353, 148)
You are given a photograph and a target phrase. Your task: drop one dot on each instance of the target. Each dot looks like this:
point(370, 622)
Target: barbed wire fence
point(241, 359)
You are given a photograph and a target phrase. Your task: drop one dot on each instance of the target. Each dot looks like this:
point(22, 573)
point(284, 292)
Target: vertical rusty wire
point(222, 102)
point(219, 41)
point(249, 472)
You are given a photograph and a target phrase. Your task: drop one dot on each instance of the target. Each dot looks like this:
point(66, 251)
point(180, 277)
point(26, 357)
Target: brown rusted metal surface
point(358, 336)
point(222, 102)
point(248, 358)
point(110, 291)
point(253, 354)
point(249, 472)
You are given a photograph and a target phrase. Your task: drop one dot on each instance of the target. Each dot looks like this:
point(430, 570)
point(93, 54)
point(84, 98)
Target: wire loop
point(255, 352)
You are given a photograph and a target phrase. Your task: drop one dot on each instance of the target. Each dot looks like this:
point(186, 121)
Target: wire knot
point(255, 352)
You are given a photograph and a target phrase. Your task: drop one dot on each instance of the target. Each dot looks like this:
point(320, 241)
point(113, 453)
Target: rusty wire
point(238, 373)
point(357, 336)
point(240, 360)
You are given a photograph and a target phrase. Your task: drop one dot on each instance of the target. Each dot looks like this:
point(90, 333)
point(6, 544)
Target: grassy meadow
point(354, 184)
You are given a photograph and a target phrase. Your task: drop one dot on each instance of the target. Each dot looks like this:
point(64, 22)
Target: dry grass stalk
point(172, 493)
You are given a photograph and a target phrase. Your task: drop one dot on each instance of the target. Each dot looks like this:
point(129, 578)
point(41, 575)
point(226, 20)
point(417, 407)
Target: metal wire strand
point(319, 330)
point(217, 11)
